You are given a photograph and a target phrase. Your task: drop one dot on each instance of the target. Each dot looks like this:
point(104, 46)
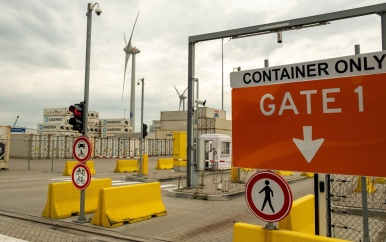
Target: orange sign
point(335, 126)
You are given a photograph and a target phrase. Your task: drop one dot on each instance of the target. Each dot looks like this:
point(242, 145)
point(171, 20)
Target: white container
point(54, 127)
point(174, 125)
point(93, 121)
point(107, 135)
point(174, 115)
point(207, 112)
point(164, 134)
point(214, 131)
point(56, 119)
point(5, 134)
point(56, 112)
point(122, 121)
point(116, 129)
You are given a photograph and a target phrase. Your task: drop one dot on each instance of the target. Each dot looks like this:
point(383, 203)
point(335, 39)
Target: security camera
point(98, 11)
point(279, 37)
point(197, 101)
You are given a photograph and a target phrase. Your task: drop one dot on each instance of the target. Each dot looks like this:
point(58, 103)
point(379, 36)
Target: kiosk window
point(225, 148)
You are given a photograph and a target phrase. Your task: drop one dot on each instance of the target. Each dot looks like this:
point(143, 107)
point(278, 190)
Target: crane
point(14, 125)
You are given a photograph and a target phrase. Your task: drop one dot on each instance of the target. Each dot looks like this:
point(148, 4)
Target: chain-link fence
point(60, 147)
point(346, 208)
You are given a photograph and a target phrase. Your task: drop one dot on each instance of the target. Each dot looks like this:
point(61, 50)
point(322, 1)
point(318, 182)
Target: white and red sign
point(268, 196)
point(82, 149)
point(326, 116)
point(81, 176)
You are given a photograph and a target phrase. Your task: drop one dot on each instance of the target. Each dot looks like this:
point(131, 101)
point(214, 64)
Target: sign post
point(81, 175)
point(268, 196)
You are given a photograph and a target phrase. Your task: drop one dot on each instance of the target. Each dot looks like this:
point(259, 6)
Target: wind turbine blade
point(184, 91)
point(124, 36)
point(180, 105)
point(176, 90)
point(129, 45)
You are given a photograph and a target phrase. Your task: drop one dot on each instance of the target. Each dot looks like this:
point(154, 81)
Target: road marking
point(114, 182)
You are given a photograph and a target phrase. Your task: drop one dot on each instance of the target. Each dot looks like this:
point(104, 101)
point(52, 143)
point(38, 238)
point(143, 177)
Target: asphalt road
point(24, 192)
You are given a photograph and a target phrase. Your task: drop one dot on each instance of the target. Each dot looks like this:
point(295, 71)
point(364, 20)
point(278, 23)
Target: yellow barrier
point(247, 232)
point(369, 185)
point(164, 163)
point(71, 164)
point(128, 204)
point(380, 180)
point(284, 173)
point(63, 199)
point(307, 174)
point(126, 166)
point(301, 217)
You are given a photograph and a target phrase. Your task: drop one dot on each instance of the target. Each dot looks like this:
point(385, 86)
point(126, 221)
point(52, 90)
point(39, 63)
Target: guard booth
point(5, 132)
point(215, 152)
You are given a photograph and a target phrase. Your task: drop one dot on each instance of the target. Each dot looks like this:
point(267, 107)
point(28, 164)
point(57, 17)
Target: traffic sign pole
point(82, 150)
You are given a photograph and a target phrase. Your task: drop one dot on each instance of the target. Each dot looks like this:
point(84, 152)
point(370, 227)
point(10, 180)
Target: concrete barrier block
point(126, 166)
point(164, 164)
point(63, 199)
point(71, 164)
point(301, 217)
point(128, 204)
point(247, 232)
point(369, 185)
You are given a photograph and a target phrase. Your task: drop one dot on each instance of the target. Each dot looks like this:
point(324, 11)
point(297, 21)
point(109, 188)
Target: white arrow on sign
point(307, 146)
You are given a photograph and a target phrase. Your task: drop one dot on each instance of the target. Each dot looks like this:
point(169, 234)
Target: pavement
point(204, 213)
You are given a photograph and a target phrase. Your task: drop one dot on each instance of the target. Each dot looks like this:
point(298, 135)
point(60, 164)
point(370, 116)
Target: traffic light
point(77, 120)
point(144, 128)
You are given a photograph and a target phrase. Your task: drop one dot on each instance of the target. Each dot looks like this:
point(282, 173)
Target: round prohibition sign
point(81, 149)
point(268, 196)
point(81, 176)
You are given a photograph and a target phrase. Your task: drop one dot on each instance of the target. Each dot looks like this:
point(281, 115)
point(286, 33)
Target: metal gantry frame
point(192, 178)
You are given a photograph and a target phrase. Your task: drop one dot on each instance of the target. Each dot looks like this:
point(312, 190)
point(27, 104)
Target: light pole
point(141, 142)
point(98, 11)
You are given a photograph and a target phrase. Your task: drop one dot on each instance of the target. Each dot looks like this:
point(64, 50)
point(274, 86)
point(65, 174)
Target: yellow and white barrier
point(71, 164)
point(164, 164)
point(63, 198)
point(247, 232)
point(128, 204)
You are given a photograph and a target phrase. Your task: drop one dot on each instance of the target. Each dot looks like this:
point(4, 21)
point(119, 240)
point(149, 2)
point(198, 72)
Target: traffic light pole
point(142, 131)
point(82, 218)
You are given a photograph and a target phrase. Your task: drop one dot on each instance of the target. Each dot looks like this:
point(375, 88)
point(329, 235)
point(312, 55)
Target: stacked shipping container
point(208, 121)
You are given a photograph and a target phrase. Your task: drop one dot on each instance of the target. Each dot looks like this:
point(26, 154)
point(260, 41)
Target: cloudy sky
point(42, 46)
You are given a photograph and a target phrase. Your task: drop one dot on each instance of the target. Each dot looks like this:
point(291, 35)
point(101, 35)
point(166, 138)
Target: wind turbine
point(182, 98)
point(130, 50)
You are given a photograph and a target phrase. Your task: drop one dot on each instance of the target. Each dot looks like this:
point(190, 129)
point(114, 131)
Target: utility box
point(5, 133)
point(179, 145)
point(215, 152)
